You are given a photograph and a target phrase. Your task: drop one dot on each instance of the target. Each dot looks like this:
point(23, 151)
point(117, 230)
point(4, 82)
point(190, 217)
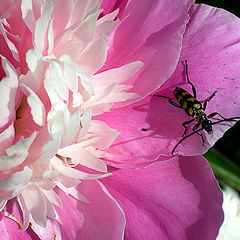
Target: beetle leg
point(201, 137)
point(169, 100)
point(196, 126)
point(184, 125)
point(193, 88)
point(214, 114)
point(208, 100)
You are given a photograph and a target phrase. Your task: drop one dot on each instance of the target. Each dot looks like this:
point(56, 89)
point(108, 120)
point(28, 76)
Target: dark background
point(232, 6)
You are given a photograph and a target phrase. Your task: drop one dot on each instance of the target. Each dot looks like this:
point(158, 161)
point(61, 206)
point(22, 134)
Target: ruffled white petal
point(37, 107)
point(16, 180)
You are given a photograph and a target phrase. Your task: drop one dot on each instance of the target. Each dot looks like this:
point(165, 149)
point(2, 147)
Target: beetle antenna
point(184, 139)
point(233, 119)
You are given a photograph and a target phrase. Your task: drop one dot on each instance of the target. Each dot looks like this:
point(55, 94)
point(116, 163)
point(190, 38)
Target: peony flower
point(72, 77)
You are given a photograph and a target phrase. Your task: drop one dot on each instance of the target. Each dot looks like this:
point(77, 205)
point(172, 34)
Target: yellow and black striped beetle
point(194, 109)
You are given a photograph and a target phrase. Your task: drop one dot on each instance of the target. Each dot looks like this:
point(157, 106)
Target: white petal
point(65, 180)
point(46, 184)
point(77, 100)
point(49, 149)
point(16, 179)
point(74, 173)
point(16, 154)
point(91, 61)
point(106, 134)
point(42, 26)
point(8, 89)
point(117, 75)
point(58, 118)
point(72, 128)
point(88, 142)
point(22, 145)
point(79, 8)
point(50, 38)
point(27, 14)
point(85, 80)
point(34, 79)
point(86, 30)
point(54, 83)
point(33, 200)
point(6, 138)
point(37, 107)
point(100, 96)
point(85, 122)
point(2, 204)
point(83, 157)
point(53, 198)
point(11, 46)
point(72, 191)
point(26, 215)
point(33, 56)
point(69, 73)
point(108, 17)
point(73, 50)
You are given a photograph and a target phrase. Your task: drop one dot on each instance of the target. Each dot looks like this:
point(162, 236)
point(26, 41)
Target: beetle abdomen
point(187, 101)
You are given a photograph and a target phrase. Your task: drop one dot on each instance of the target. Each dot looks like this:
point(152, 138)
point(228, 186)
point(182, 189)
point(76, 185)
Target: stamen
point(66, 161)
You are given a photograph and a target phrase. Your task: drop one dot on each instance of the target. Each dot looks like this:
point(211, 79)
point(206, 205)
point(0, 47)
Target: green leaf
point(224, 168)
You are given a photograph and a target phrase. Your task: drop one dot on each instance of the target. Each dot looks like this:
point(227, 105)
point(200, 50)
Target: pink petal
point(212, 51)
point(10, 229)
point(109, 6)
point(61, 15)
point(154, 39)
point(102, 218)
point(5, 5)
point(163, 121)
point(175, 199)
point(134, 147)
point(52, 231)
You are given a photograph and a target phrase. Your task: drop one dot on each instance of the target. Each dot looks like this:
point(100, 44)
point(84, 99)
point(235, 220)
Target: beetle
point(194, 109)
